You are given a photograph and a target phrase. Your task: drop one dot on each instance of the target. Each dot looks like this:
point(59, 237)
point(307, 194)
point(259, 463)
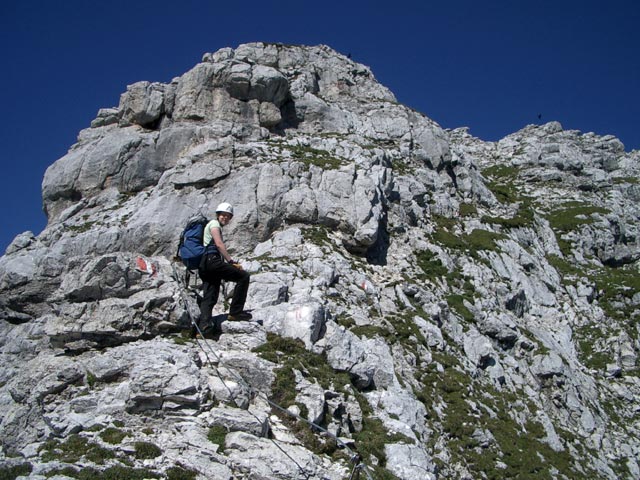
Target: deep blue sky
point(492, 66)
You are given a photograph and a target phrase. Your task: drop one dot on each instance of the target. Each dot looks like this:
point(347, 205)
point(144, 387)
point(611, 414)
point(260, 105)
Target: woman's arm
point(216, 235)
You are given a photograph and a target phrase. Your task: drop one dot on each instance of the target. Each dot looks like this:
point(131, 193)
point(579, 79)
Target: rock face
point(443, 306)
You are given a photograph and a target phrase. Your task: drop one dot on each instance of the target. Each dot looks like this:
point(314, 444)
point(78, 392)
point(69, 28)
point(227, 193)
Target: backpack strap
point(180, 244)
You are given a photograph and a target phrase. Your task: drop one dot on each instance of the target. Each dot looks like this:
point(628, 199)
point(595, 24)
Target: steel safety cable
point(253, 393)
point(250, 390)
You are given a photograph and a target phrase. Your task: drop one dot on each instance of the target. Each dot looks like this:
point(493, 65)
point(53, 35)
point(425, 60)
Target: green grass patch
point(313, 156)
point(117, 472)
point(589, 339)
point(480, 239)
point(456, 303)
point(180, 473)
point(84, 227)
point(618, 281)
point(444, 223)
point(502, 183)
point(613, 406)
point(183, 337)
point(217, 434)
point(15, 471)
point(371, 440)
point(449, 240)
point(317, 234)
point(404, 330)
point(290, 354)
point(619, 466)
point(501, 172)
point(113, 435)
point(524, 217)
point(468, 210)
point(568, 271)
point(345, 321)
point(312, 438)
point(403, 166)
point(447, 385)
point(91, 380)
point(505, 193)
point(573, 215)
point(616, 287)
point(565, 246)
point(472, 243)
point(462, 287)
point(519, 447)
point(73, 449)
point(430, 265)
point(372, 331)
point(146, 450)
point(621, 180)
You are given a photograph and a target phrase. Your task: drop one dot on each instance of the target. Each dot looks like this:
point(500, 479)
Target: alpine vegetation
point(426, 305)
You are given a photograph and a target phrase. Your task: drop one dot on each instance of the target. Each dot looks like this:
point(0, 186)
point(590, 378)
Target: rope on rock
point(355, 458)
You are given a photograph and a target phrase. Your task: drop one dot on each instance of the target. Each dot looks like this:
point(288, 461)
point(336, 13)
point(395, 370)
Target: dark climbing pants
point(213, 269)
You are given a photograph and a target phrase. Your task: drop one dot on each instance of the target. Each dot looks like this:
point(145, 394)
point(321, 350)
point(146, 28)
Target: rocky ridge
point(444, 306)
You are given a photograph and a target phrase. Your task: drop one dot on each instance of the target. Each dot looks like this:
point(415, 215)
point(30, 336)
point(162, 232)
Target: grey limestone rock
point(21, 241)
point(547, 366)
point(409, 461)
point(142, 104)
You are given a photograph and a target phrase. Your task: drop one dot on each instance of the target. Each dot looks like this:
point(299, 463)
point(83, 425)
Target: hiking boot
point(209, 329)
point(240, 317)
point(213, 330)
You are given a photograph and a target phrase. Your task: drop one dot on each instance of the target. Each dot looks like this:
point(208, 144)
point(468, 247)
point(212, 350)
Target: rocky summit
point(426, 304)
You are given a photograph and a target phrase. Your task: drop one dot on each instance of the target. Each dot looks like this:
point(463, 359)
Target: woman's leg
point(241, 278)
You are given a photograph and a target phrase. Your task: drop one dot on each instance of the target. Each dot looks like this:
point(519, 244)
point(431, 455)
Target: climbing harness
point(355, 458)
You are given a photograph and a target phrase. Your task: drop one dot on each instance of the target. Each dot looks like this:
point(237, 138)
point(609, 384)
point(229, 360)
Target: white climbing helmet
point(225, 208)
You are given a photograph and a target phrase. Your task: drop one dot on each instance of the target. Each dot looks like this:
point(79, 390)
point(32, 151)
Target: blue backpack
point(191, 248)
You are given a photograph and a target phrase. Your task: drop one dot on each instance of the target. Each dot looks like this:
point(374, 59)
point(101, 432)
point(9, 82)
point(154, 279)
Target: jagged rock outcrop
point(444, 306)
